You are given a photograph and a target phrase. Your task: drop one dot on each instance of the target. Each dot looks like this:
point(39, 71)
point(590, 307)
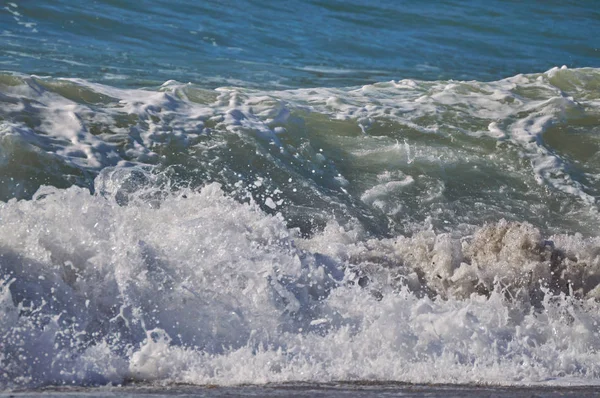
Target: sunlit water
point(260, 192)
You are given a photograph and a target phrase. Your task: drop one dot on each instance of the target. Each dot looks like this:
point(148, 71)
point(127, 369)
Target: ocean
point(272, 197)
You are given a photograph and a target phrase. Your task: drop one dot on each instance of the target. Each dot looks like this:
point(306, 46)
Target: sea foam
point(195, 287)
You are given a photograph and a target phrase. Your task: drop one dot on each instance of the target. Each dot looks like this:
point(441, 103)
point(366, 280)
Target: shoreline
point(364, 388)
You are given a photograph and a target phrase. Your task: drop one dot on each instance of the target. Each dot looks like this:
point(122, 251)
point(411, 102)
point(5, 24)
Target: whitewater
point(234, 236)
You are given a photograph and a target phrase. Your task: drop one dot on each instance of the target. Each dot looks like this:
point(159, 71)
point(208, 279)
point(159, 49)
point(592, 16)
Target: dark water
point(225, 193)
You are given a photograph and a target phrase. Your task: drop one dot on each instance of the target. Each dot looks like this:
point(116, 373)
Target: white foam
point(198, 288)
point(379, 195)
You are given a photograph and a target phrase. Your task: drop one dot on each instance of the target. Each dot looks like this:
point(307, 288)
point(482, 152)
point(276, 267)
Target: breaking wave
point(407, 231)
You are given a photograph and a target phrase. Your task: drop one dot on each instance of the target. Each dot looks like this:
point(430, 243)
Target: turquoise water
point(293, 44)
point(235, 193)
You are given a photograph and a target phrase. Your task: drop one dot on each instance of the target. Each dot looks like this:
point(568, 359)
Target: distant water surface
point(307, 43)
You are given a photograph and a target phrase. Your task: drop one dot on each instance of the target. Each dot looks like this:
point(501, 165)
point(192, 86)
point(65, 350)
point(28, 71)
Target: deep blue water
point(305, 43)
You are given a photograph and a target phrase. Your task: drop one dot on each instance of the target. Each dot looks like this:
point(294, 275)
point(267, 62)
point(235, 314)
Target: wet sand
point(361, 389)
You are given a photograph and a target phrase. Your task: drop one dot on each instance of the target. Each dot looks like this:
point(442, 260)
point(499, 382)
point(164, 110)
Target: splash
point(196, 287)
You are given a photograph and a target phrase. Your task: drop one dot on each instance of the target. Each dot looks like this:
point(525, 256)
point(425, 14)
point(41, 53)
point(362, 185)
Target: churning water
point(357, 191)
